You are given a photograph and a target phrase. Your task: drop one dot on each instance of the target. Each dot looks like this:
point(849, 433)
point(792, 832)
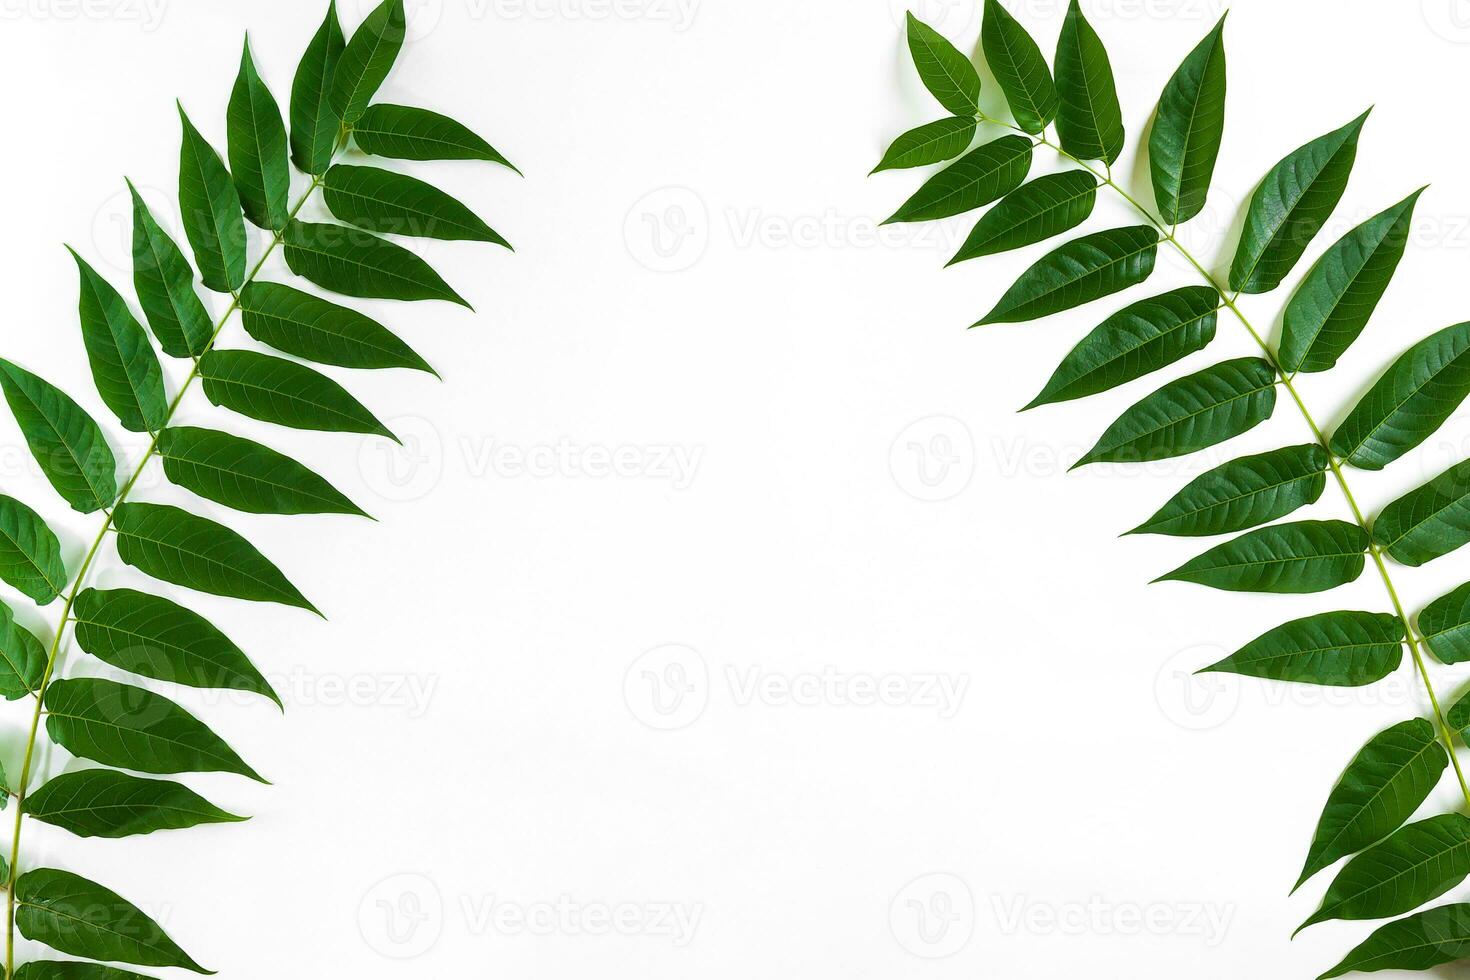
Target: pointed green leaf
point(945, 71)
point(30, 555)
point(1079, 272)
point(985, 174)
point(1445, 626)
point(71, 970)
point(1458, 717)
point(273, 389)
point(1089, 119)
point(1137, 340)
point(367, 59)
point(246, 475)
point(73, 915)
point(1033, 212)
point(1304, 556)
point(158, 638)
point(356, 263)
point(1414, 865)
point(1193, 413)
point(106, 803)
point(175, 546)
point(1380, 789)
point(1019, 68)
point(210, 205)
point(312, 328)
point(22, 658)
point(132, 728)
point(124, 366)
point(935, 142)
point(1290, 206)
point(1429, 521)
point(389, 203)
point(405, 132)
point(1335, 649)
point(67, 444)
point(1243, 493)
point(164, 281)
point(1419, 942)
point(257, 144)
point(315, 125)
point(1188, 130)
point(1409, 402)
point(1338, 296)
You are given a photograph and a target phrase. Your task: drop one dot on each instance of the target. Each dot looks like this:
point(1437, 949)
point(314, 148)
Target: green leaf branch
point(130, 729)
point(1395, 867)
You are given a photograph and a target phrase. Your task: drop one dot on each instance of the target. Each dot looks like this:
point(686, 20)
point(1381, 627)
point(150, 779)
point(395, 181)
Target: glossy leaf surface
point(1079, 272)
point(1304, 556)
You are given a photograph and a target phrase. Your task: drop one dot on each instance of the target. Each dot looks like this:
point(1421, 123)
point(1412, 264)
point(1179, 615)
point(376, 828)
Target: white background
point(823, 477)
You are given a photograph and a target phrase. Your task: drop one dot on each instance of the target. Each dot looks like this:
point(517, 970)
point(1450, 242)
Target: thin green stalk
point(1229, 301)
point(53, 656)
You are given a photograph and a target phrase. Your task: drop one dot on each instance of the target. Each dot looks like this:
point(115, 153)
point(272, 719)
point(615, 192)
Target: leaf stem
point(1229, 301)
point(53, 656)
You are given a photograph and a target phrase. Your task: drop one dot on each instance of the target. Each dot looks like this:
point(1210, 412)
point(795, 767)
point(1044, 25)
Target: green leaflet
point(1380, 789)
point(273, 389)
point(1089, 119)
point(1429, 521)
point(985, 174)
point(22, 658)
point(1290, 206)
point(30, 555)
point(129, 727)
point(356, 263)
point(164, 281)
point(367, 59)
point(257, 146)
point(158, 638)
point(1079, 272)
point(71, 914)
point(1188, 130)
point(1445, 626)
point(1193, 413)
point(1409, 402)
point(1419, 942)
point(1458, 717)
point(1304, 556)
point(310, 327)
point(106, 803)
point(1413, 865)
point(1020, 68)
point(945, 71)
point(1033, 212)
point(213, 222)
point(935, 142)
point(1243, 493)
point(246, 475)
point(315, 125)
point(389, 203)
point(175, 546)
point(71, 970)
point(409, 133)
point(67, 444)
point(1332, 306)
point(124, 367)
point(1137, 340)
point(1336, 649)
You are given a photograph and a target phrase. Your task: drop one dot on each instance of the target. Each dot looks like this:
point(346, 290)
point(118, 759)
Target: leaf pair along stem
point(1230, 302)
point(54, 653)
